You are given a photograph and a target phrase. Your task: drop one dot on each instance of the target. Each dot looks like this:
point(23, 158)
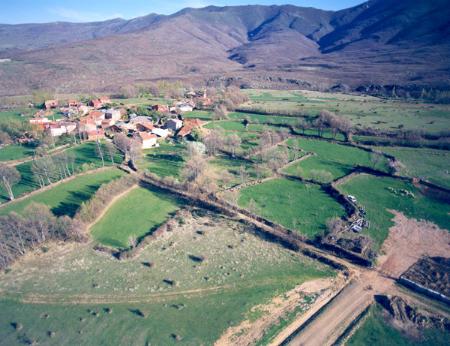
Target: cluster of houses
point(98, 120)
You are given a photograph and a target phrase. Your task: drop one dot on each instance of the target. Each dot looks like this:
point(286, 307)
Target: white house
point(163, 133)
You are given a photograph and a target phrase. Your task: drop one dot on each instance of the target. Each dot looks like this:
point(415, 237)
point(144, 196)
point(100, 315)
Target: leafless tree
point(233, 143)
point(99, 150)
point(9, 177)
point(220, 112)
point(111, 151)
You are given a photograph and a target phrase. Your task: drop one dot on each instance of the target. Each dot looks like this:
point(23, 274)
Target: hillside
point(282, 46)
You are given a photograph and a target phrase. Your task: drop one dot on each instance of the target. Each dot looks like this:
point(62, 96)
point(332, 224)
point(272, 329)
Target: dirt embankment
point(249, 331)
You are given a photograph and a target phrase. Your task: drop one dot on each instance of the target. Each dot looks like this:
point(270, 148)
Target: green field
point(15, 152)
point(144, 209)
point(297, 206)
point(238, 126)
point(363, 111)
point(86, 159)
point(339, 160)
point(74, 285)
point(428, 164)
point(166, 160)
point(377, 331)
point(378, 195)
point(66, 198)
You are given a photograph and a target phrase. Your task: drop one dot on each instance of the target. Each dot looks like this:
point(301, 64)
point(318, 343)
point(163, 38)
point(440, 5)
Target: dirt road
point(353, 300)
point(408, 241)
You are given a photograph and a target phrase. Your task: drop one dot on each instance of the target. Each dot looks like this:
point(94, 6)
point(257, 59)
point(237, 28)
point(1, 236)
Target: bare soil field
point(408, 241)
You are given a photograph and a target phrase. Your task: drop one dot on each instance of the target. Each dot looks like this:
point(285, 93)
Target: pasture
point(362, 111)
point(15, 152)
point(166, 160)
point(297, 206)
point(379, 195)
point(378, 330)
point(338, 160)
point(145, 210)
point(86, 297)
point(65, 198)
point(429, 164)
point(85, 158)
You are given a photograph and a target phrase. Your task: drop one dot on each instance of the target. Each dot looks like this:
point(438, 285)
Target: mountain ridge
point(249, 45)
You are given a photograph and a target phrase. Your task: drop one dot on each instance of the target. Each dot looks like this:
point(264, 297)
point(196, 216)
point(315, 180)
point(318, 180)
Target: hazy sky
point(34, 11)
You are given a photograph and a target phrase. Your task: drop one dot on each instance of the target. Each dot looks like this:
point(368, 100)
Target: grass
point(66, 198)
point(166, 160)
point(225, 290)
point(86, 159)
point(339, 160)
point(297, 206)
point(376, 330)
point(429, 164)
point(362, 111)
point(238, 126)
point(145, 210)
point(232, 166)
point(378, 195)
point(15, 152)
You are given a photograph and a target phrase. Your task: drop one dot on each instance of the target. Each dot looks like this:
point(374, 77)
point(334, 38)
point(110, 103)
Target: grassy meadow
point(297, 206)
point(66, 198)
point(82, 296)
point(362, 111)
point(379, 195)
point(134, 215)
point(338, 160)
point(86, 159)
point(429, 164)
point(166, 160)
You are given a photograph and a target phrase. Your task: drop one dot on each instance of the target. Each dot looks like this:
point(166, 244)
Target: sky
point(41, 11)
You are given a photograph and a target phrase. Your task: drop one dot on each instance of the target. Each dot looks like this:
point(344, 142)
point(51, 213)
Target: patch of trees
point(130, 147)
point(336, 123)
point(22, 233)
point(48, 169)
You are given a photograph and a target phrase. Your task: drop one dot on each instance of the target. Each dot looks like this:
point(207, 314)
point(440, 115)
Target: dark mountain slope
point(381, 42)
point(416, 22)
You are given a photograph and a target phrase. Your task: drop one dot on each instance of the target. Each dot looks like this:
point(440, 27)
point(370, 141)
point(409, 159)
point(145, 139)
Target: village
point(98, 119)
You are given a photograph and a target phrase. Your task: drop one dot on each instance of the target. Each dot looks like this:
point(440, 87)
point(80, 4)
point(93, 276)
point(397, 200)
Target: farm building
point(161, 108)
point(51, 104)
point(189, 125)
point(94, 135)
point(174, 124)
point(148, 140)
point(113, 114)
point(144, 127)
